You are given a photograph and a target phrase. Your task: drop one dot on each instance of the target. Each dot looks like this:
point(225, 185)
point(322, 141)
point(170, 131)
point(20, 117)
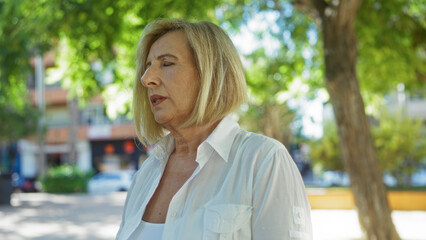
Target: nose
point(150, 78)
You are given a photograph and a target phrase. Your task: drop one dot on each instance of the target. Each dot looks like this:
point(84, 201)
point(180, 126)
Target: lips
point(157, 99)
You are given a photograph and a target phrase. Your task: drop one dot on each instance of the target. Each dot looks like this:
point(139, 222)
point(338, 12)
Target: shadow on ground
point(59, 216)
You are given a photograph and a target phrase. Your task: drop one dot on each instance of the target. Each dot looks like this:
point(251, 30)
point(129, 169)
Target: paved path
point(344, 225)
point(64, 217)
point(48, 216)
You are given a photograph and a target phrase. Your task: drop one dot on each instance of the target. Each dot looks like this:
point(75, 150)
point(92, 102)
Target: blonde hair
point(222, 81)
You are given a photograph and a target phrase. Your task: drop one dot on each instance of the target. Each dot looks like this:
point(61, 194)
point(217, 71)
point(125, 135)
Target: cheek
point(185, 98)
point(194, 85)
point(194, 94)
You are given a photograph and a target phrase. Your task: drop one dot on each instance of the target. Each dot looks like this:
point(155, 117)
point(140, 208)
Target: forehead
point(174, 42)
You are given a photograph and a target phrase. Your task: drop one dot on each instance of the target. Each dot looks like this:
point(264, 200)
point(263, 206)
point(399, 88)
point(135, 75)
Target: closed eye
point(167, 64)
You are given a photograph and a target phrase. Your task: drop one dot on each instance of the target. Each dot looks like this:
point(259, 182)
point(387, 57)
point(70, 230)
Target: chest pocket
point(227, 221)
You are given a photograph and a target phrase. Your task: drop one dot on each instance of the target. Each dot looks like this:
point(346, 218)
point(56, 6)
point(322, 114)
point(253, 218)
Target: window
point(95, 114)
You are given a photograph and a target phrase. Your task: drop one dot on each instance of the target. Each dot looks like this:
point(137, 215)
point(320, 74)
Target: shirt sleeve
point(280, 206)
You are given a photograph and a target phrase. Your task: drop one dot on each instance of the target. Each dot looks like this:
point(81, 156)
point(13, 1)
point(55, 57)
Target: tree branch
point(346, 10)
point(313, 8)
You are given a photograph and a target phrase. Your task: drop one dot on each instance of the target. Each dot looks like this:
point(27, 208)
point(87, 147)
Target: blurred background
point(66, 76)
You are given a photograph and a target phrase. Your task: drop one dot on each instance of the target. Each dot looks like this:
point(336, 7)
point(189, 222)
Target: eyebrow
point(166, 55)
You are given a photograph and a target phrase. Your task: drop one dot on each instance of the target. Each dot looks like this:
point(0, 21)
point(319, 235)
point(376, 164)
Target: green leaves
point(392, 45)
point(325, 152)
point(82, 33)
point(65, 179)
point(399, 140)
point(400, 143)
point(17, 122)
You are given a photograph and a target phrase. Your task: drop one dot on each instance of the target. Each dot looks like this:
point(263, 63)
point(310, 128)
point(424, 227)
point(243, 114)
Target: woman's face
point(172, 79)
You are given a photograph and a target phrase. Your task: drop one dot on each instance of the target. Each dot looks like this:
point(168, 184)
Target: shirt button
point(174, 214)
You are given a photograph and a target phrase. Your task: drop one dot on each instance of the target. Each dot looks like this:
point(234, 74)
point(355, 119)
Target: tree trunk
point(271, 122)
point(73, 130)
point(340, 51)
point(356, 143)
point(275, 123)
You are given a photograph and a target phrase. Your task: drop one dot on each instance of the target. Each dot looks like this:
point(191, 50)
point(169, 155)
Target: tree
point(89, 37)
point(103, 32)
point(17, 123)
point(391, 40)
point(383, 63)
point(266, 112)
point(337, 22)
point(94, 43)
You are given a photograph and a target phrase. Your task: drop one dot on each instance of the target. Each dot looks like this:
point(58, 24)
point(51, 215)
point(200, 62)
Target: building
point(98, 142)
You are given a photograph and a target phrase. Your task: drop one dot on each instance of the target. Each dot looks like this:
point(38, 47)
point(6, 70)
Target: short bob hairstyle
point(222, 81)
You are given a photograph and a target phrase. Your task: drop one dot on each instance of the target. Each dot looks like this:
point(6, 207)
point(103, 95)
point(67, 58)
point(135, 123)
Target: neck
point(188, 139)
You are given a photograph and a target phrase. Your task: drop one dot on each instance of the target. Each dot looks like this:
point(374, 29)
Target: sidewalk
point(80, 216)
point(344, 225)
point(50, 216)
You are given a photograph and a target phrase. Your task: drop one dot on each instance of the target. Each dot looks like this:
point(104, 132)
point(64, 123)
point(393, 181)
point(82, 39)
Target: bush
point(65, 179)
point(399, 141)
point(325, 152)
point(400, 145)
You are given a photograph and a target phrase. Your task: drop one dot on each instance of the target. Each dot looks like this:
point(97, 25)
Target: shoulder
point(254, 143)
point(262, 154)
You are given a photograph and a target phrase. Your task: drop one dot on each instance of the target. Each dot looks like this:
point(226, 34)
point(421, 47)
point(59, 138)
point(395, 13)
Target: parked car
point(25, 184)
point(110, 181)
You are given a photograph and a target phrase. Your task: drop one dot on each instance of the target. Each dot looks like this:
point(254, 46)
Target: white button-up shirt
point(246, 186)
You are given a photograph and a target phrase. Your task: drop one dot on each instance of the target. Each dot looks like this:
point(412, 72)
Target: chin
point(164, 120)
point(161, 120)
point(168, 123)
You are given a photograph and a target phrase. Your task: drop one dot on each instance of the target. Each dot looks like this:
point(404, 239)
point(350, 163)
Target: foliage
point(392, 45)
point(325, 152)
point(284, 47)
point(401, 145)
point(272, 62)
point(65, 179)
point(399, 140)
point(91, 38)
point(268, 119)
point(16, 123)
point(94, 38)
point(267, 111)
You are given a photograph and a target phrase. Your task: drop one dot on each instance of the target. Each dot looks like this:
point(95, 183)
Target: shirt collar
point(220, 140)
point(163, 148)
point(222, 137)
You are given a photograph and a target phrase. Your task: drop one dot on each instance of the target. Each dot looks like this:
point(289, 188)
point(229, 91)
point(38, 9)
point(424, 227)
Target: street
point(80, 216)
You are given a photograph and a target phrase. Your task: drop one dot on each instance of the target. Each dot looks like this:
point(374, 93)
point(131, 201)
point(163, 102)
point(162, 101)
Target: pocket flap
point(226, 218)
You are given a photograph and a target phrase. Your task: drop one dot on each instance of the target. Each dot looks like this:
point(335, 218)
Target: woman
point(205, 178)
